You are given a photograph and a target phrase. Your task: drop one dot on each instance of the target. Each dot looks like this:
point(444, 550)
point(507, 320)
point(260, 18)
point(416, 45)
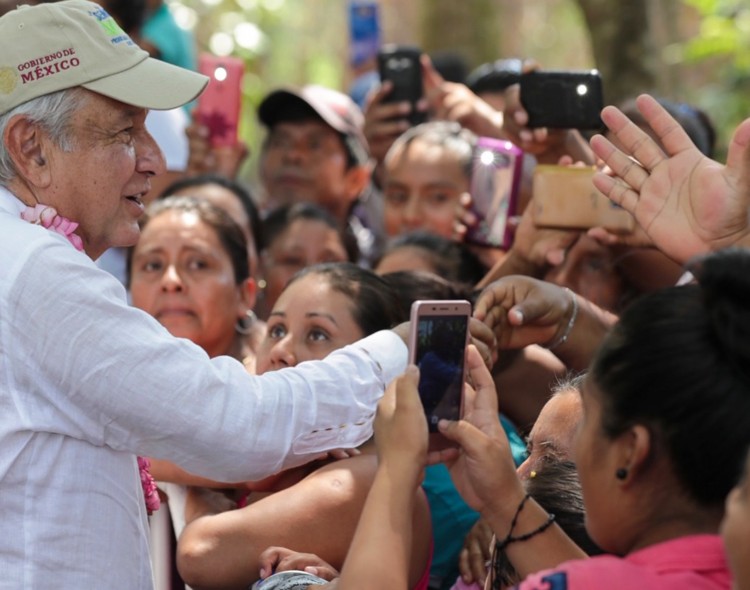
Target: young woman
point(313, 509)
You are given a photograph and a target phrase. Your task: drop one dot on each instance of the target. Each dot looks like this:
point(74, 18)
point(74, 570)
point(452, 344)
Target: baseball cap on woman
point(51, 47)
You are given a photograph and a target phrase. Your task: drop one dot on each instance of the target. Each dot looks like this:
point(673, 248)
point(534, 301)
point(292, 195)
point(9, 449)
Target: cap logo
point(8, 80)
point(111, 27)
point(48, 65)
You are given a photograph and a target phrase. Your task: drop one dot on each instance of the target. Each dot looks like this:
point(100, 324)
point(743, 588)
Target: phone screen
point(495, 181)
point(439, 352)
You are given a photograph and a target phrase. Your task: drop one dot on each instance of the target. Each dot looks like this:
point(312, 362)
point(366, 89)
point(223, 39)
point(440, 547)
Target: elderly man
point(86, 382)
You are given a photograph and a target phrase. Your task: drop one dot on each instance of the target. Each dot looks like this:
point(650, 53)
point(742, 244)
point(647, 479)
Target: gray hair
point(52, 112)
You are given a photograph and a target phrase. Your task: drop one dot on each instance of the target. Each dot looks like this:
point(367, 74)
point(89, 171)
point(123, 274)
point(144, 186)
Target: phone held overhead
point(565, 197)
point(400, 65)
point(563, 99)
point(495, 181)
point(219, 105)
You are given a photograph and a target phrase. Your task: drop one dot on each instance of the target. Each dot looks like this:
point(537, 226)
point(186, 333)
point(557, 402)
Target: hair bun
point(724, 279)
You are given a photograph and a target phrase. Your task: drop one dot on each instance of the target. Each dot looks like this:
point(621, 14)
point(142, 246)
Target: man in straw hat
point(86, 382)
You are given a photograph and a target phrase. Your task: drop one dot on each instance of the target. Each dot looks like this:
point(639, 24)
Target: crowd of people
point(169, 330)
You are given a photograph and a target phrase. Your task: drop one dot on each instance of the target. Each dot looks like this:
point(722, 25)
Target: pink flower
point(150, 493)
point(47, 217)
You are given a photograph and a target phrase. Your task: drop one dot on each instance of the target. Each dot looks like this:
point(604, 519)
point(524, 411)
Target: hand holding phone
point(401, 66)
point(439, 334)
point(495, 181)
point(219, 105)
point(563, 99)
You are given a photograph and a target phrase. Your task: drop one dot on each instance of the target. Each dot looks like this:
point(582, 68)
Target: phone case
point(400, 64)
point(439, 333)
point(563, 99)
point(219, 105)
point(566, 197)
point(495, 181)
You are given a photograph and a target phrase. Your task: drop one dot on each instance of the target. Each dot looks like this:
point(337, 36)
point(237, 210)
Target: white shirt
point(86, 382)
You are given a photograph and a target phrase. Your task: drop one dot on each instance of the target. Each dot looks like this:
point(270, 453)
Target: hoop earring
point(246, 324)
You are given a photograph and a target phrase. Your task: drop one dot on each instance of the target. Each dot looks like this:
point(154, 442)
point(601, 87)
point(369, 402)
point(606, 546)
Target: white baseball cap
point(51, 47)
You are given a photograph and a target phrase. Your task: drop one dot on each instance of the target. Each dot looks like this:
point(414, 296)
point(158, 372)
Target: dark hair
point(411, 285)
point(278, 220)
point(450, 259)
point(227, 230)
point(449, 135)
point(557, 489)
point(696, 123)
point(374, 304)
point(243, 196)
point(678, 362)
point(494, 76)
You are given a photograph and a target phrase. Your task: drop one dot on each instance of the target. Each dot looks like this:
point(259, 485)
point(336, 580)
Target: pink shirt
point(696, 562)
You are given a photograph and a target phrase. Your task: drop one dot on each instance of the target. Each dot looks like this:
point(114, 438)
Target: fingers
point(738, 154)
point(485, 394)
point(483, 338)
point(670, 133)
point(615, 190)
point(635, 141)
point(269, 558)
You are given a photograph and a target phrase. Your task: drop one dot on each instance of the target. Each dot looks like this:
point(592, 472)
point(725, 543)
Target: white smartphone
point(439, 334)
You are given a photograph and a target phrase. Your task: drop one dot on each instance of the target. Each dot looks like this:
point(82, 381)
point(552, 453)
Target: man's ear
point(357, 178)
point(24, 142)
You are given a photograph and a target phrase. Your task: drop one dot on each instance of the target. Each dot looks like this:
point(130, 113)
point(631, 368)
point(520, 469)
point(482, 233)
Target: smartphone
point(364, 31)
point(565, 197)
point(495, 181)
point(563, 99)
point(439, 334)
point(400, 64)
point(219, 105)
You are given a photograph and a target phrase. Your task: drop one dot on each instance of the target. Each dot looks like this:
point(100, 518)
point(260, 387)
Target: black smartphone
point(400, 64)
point(563, 99)
point(495, 181)
point(439, 334)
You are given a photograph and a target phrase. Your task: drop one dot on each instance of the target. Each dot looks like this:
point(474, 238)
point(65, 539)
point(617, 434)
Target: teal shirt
point(176, 45)
point(451, 517)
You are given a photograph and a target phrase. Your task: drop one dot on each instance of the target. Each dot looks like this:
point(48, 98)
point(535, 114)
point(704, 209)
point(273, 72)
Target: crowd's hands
point(203, 158)
point(281, 559)
point(482, 466)
point(522, 310)
point(686, 203)
point(453, 101)
point(400, 426)
point(476, 552)
point(385, 121)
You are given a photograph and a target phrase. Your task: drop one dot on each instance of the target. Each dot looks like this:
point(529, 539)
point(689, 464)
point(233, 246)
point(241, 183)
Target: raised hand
point(686, 203)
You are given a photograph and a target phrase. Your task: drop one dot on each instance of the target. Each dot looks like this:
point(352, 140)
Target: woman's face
point(590, 270)
point(423, 185)
point(181, 275)
point(553, 433)
point(735, 529)
point(309, 321)
point(304, 243)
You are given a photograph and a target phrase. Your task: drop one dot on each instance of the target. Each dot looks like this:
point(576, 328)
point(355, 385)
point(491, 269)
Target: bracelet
point(569, 328)
point(501, 545)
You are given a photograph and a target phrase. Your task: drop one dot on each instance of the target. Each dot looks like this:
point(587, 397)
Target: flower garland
point(150, 492)
point(48, 217)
